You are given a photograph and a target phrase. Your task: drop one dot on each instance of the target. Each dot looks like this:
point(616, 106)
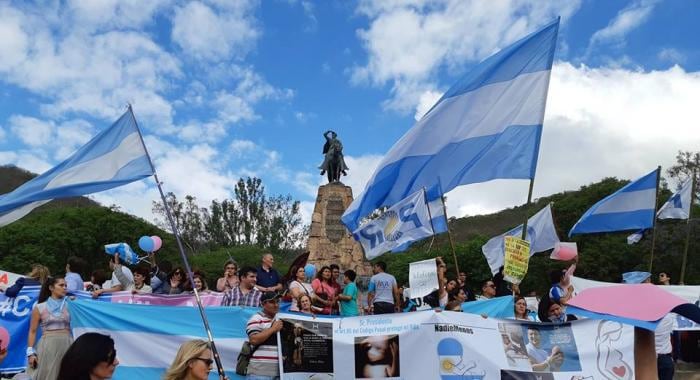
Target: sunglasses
point(206, 361)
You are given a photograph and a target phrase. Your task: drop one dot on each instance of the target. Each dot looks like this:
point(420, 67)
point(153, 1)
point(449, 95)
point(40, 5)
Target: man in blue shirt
point(268, 278)
point(348, 300)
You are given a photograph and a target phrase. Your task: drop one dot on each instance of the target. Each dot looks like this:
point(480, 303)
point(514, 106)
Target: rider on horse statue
point(333, 161)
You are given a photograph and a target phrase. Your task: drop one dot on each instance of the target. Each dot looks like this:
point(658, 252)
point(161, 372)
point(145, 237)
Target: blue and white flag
point(438, 221)
point(487, 126)
point(678, 206)
point(541, 234)
point(629, 208)
point(403, 223)
point(148, 337)
point(113, 158)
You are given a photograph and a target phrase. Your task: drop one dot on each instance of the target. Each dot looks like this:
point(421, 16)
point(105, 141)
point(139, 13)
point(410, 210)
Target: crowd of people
point(306, 289)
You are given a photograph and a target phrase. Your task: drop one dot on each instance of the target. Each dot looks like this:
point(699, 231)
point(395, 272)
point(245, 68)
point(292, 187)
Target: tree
point(687, 165)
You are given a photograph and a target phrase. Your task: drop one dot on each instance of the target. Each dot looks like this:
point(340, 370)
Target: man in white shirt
point(73, 280)
point(540, 359)
point(383, 292)
point(122, 278)
point(664, 351)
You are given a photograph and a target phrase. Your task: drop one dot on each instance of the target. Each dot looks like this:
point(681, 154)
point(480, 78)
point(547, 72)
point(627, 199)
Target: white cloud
point(625, 21)
point(209, 33)
point(242, 147)
point(408, 41)
point(97, 15)
point(24, 159)
point(426, 101)
point(32, 131)
point(671, 55)
point(14, 41)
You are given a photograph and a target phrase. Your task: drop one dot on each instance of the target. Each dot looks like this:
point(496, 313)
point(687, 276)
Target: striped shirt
point(264, 361)
point(235, 297)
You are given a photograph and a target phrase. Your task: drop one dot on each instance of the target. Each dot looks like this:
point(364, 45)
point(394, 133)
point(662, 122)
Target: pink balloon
point(157, 243)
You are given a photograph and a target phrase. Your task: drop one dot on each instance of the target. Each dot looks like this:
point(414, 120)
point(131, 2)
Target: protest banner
point(15, 315)
point(449, 345)
point(8, 278)
point(516, 259)
point(422, 278)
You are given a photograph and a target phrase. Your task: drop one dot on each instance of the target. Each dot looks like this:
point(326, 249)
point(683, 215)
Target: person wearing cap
point(636, 277)
point(262, 331)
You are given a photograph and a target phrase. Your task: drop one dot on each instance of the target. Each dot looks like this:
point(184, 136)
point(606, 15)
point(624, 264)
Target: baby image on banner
point(307, 349)
point(377, 357)
point(551, 348)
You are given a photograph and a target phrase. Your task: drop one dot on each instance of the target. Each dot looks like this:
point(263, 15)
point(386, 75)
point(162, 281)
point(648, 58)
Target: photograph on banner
point(551, 348)
point(517, 257)
point(514, 346)
point(377, 357)
point(307, 349)
point(422, 278)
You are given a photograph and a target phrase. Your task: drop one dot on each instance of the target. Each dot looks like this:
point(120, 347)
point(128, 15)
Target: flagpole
point(653, 223)
point(205, 321)
point(687, 231)
point(523, 235)
point(449, 234)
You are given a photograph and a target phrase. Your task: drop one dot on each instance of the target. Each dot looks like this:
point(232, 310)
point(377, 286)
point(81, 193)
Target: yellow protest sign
point(516, 260)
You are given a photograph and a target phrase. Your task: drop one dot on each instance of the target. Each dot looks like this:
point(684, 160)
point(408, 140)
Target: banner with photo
point(451, 345)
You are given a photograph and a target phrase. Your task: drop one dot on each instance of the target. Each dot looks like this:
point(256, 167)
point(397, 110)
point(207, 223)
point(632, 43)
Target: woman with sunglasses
point(174, 283)
point(91, 357)
point(192, 362)
point(230, 279)
point(51, 312)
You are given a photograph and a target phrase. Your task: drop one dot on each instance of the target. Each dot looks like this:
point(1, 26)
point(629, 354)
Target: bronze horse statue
point(333, 163)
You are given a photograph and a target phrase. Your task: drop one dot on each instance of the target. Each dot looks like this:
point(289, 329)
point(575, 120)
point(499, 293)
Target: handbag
point(243, 359)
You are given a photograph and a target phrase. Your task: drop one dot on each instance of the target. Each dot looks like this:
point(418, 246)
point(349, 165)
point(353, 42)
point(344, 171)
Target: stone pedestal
point(329, 241)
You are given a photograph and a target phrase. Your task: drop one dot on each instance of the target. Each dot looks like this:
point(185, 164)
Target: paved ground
point(687, 371)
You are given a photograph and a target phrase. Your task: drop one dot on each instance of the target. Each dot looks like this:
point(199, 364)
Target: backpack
point(244, 356)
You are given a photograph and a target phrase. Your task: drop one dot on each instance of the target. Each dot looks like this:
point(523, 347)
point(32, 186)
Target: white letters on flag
point(405, 222)
point(678, 206)
point(487, 126)
point(630, 208)
point(422, 278)
point(113, 158)
point(540, 233)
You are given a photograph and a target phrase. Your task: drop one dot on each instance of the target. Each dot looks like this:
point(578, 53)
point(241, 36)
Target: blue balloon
point(146, 244)
point(310, 271)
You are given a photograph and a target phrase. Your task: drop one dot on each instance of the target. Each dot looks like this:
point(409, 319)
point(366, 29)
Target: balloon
point(146, 243)
point(564, 251)
point(310, 271)
point(157, 243)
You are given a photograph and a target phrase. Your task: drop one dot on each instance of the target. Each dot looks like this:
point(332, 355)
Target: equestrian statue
point(333, 162)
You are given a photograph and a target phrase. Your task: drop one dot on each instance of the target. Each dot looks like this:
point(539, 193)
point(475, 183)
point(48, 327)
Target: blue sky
point(224, 89)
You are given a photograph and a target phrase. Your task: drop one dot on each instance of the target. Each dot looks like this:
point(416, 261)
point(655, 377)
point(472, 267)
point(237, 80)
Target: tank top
point(51, 321)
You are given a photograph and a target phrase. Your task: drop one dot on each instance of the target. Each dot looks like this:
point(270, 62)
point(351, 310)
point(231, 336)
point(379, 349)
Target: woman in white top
point(299, 286)
point(141, 277)
point(51, 313)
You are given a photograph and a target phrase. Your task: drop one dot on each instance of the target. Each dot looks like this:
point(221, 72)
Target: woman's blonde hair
point(39, 272)
point(188, 351)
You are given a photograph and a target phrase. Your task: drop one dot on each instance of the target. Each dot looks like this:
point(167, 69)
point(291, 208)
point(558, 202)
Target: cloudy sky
point(224, 89)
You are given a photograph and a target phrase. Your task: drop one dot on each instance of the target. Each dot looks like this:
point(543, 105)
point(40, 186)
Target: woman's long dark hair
point(45, 291)
point(319, 275)
point(89, 350)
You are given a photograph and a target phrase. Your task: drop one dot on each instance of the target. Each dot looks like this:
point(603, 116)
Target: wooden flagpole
point(687, 231)
point(653, 225)
point(449, 234)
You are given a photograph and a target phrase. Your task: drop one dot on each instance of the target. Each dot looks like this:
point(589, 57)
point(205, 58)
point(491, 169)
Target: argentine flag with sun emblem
point(407, 221)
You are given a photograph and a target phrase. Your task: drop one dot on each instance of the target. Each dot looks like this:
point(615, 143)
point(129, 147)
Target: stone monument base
point(329, 241)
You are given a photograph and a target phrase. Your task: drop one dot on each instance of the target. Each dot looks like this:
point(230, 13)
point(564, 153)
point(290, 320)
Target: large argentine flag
point(148, 337)
point(113, 158)
point(487, 126)
point(629, 208)
point(541, 234)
